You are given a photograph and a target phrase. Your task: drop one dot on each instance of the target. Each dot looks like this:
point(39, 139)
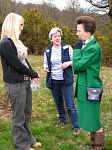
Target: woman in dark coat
point(17, 74)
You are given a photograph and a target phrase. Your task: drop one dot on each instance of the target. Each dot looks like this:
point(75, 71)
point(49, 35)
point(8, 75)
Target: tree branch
point(98, 4)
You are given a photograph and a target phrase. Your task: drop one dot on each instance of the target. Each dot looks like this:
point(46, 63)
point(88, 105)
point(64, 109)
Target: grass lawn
point(44, 117)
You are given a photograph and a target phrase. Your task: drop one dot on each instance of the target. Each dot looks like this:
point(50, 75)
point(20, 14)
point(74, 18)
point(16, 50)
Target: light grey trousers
point(20, 97)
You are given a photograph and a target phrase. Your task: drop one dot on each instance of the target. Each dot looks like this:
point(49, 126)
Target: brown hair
point(88, 23)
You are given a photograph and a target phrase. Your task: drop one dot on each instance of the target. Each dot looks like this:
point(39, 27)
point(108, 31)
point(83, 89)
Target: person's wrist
point(70, 63)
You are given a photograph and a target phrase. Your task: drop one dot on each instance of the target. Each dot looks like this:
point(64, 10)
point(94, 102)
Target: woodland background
point(40, 18)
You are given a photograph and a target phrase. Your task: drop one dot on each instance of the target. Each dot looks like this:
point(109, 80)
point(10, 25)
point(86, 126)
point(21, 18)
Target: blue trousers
point(64, 97)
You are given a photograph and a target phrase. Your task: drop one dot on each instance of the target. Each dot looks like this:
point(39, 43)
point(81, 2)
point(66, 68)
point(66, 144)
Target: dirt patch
point(5, 112)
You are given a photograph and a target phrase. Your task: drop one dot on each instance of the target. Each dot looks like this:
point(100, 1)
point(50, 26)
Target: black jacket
point(13, 69)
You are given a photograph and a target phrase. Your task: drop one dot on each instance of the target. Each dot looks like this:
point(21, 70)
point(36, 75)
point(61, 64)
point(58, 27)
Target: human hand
point(46, 69)
point(35, 80)
point(35, 84)
point(78, 44)
point(66, 64)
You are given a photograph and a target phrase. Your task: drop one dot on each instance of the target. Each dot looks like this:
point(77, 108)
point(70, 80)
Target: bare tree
point(102, 4)
point(74, 5)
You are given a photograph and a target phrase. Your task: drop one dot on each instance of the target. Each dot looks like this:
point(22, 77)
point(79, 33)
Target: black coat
point(13, 69)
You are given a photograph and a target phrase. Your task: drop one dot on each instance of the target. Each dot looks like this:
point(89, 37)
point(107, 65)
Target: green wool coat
point(86, 64)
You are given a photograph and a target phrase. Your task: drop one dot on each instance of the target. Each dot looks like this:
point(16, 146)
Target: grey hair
point(54, 31)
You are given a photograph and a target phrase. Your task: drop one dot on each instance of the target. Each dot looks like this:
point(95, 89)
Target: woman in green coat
point(86, 64)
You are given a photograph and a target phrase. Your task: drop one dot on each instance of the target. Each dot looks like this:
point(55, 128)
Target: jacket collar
point(63, 46)
point(89, 44)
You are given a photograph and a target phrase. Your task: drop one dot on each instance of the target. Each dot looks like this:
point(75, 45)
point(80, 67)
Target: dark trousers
point(64, 97)
point(20, 97)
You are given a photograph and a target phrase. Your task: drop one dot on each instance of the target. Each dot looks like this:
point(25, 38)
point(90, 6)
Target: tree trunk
point(110, 8)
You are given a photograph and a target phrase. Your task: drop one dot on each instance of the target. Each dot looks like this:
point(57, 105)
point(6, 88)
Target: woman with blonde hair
point(17, 74)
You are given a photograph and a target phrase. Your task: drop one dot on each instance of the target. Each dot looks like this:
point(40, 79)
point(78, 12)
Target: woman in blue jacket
point(58, 65)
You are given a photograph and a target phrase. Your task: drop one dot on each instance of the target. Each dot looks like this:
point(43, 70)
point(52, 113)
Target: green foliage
point(106, 44)
point(37, 27)
point(69, 35)
point(1, 20)
point(35, 33)
point(51, 23)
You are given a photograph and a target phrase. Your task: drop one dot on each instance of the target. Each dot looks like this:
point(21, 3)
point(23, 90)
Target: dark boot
point(99, 141)
point(92, 137)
